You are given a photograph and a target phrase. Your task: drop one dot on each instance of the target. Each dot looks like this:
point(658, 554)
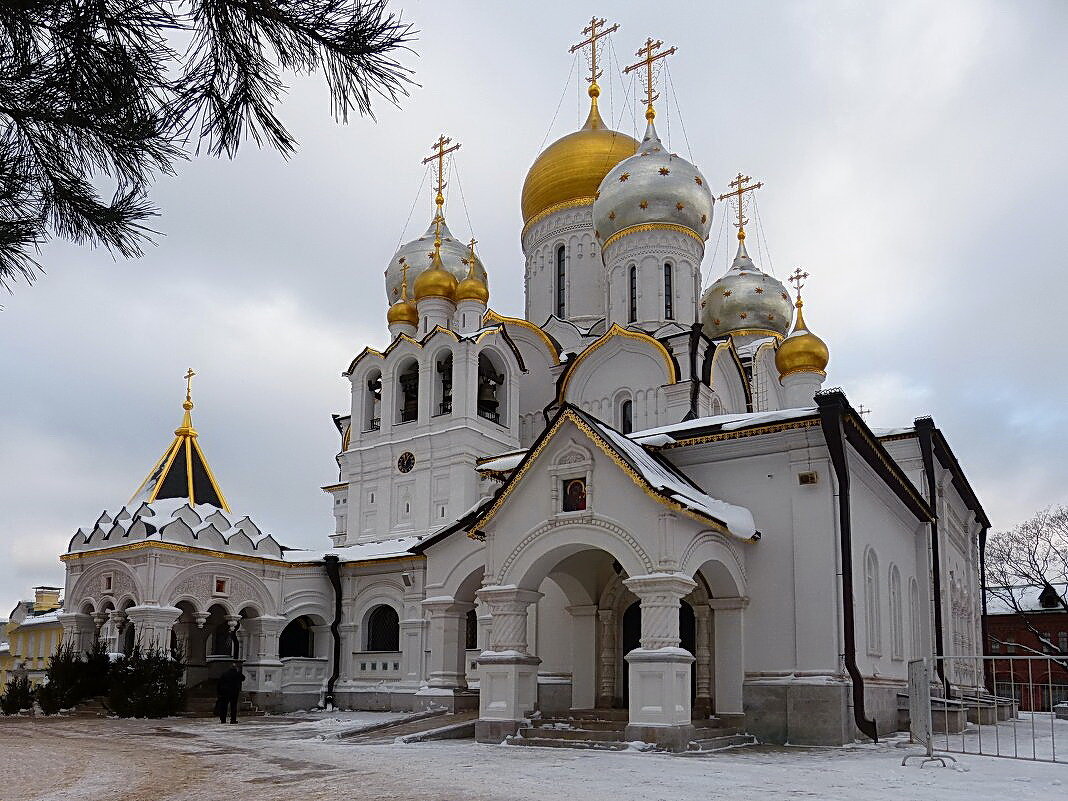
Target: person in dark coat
point(229, 689)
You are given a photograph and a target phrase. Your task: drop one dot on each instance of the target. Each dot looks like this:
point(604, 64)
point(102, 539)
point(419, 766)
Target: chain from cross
point(594, 35)
point(649, 57)
point(863, 410)
point(439, 155)
point(738, 197)
point(189, 384)
point(798, 280)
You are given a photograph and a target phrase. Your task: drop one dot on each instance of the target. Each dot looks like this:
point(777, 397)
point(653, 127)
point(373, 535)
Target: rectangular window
point(669, 298)
point(574, 494)
point(632, 291)
point(1062, 642)
point(560, 282)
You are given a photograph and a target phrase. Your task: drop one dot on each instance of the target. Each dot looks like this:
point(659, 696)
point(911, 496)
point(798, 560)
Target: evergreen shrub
point(18, 695)
point(147, 684)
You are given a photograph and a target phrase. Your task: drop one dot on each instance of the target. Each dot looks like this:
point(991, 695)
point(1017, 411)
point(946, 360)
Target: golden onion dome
point(435, 281)
point(802, 351)
point(472, 288)
point(403, 311)
point(571, 168)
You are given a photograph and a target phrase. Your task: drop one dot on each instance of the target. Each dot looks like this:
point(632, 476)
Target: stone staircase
point(200, 702)
point(605, 730)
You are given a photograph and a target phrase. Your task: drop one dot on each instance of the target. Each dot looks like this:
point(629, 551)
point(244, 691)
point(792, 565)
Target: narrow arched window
point(443, 388)
point(632, 292)
point(626, 417)
point(383, 629)
point(897, 637)
point(373, 402)
point(560, 281)
point(871, 603)
point(669, 294)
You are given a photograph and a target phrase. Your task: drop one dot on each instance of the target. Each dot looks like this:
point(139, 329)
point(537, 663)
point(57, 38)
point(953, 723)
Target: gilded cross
point(188, 383)
point(404, 278)
point(739, 187)
point(798, 280)
point(649, 57)
point(439, 155)
point(594, 35)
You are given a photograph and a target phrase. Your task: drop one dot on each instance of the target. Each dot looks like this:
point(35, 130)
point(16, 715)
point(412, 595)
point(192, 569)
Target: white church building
point(637, 497)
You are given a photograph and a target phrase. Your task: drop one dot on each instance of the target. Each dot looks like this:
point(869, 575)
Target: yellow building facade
point(32, 635)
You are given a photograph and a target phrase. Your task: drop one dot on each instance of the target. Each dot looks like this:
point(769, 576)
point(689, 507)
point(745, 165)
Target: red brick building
point(1028, 621)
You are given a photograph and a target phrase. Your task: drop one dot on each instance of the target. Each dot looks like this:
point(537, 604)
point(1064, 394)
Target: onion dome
point(403, 311)
point(436, 281)
point(745, 301)
point(802, 351)
point(653, 187)
point(472, 288)
point(569, 170)
point(414, 254)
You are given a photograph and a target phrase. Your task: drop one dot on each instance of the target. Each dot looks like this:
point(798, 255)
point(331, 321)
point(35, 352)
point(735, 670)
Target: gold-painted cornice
point(637, 229)
point(745, 432)
point(574, 203)
point(171, 546)
point(494, 317)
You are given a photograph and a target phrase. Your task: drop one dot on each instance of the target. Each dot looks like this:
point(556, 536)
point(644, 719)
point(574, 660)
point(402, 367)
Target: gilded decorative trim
point(574, 203)
point(614, 331)
point(754, 332)
point(796, 370)
point(897, 437)
point(359, 356)
point(171, 546)
point(637, 229)
point(333, 487)
point(492, 316)
point(386, 561)
point(610, 452)
point(745, 432)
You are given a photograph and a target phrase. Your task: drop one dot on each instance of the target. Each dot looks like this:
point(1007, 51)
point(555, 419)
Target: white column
point(583, 656)
point(79, 631)
point(152, 625)
point(606, 691)
point(660, 670)
point(703, 664)
point(508, 673)
point(446, 639)
point(729, 653)
point(468, 318)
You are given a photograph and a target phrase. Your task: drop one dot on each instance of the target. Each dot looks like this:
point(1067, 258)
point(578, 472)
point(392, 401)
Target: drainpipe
point(333, 572)
point(925, 428)
point(831, 407)
point(982, 621)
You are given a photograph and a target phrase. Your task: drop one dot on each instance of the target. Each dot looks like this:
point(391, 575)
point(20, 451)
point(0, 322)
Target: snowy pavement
point(284, 757)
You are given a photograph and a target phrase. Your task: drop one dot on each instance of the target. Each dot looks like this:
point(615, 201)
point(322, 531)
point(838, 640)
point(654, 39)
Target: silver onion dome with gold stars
point(417, 255)
point(746, 301)
point(652, 187)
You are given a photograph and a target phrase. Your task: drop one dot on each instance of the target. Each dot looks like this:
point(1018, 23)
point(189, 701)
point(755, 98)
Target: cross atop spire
point(188, 389)
point(738, 195)
point(798, 280)
point(649, 57)
point(404, 278)
point(440, 151)
point(593, 35)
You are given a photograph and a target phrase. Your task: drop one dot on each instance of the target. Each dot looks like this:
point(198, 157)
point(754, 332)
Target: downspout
point(333, 572)
point(982, 621)
point(831, 409)
point(924, 428)
point(695, 381)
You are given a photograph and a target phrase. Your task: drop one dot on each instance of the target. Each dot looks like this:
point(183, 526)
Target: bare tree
point(97, 97)
point(1031, 556)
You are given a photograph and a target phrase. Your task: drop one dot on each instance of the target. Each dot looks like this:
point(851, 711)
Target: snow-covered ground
point(1032, 735)
point(284, 757)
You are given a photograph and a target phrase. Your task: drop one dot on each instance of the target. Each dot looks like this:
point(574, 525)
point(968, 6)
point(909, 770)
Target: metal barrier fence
point(1025, 717)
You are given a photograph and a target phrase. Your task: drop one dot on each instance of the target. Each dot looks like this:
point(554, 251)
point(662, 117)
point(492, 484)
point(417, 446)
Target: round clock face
point(406, 461)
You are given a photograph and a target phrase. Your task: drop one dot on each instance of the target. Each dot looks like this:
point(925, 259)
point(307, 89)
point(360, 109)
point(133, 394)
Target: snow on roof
point(673, 483)
point(40, 620)
point(723, 422)
point(508, 461)
point(749, 348)
point(1026, 597)
point(892, 432)
point(377, 550)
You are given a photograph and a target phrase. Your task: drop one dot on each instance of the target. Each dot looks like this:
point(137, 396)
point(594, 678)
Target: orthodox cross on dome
point(404, 278)
point(738, 198)
point(594, 34)
point(863, 410)
point(798, 280)
point(469, 260)
point(188, 388)
point(440, 151)
point(649, 57)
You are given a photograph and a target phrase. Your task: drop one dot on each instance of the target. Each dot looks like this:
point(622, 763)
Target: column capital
point(447, 606)
point(657, 584)
point(162, 615)
point(728, 603)
point(582, 610)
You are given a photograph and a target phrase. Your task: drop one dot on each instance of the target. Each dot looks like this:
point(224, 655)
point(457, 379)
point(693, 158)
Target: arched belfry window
point(373, 402)
point(632, 295)
point(409, 392)
point(491, 389)
point(383, 629)
point(443, 393)
point(669, 294)
point(626, 416)
point(561, 276)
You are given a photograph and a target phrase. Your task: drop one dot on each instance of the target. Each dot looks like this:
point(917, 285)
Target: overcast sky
point(914, 160)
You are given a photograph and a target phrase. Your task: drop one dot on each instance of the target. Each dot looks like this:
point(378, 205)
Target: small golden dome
point(572, 167)
point(471, 288)
point(802, 351)
point(403, 311)
point(436, 281)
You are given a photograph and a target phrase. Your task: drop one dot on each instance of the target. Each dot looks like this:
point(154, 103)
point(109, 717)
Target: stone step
point(579, 723)
point(600, 714)
point(721, 742)
point(571, 734)
point(551, 742)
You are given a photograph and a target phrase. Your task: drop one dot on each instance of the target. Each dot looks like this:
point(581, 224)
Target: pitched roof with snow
point(1026, 598)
